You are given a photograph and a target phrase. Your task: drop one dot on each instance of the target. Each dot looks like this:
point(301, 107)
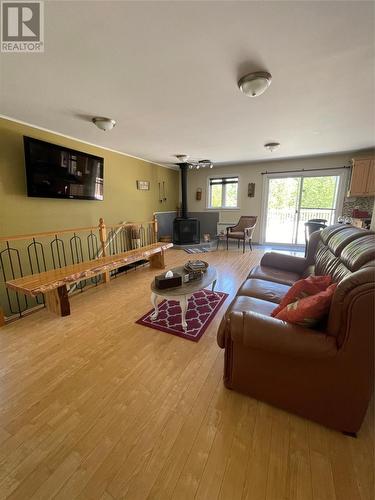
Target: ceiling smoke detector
point(271, 146)
point(104, 123)
point(255, 84)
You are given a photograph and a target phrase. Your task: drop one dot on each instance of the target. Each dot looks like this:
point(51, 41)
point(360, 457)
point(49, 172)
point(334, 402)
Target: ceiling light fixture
point(194, 163)
point(271, 146)
point(182, 158)
point(205, 163)
point(255, 84)
point(104, 123)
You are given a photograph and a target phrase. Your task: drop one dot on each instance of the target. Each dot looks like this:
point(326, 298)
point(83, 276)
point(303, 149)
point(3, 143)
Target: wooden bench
point(53, 284)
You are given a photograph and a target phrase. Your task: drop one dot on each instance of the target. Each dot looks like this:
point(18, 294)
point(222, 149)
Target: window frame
point(208, 197)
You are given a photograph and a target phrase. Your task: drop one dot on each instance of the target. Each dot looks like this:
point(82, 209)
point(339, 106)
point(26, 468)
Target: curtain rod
point(301, 170)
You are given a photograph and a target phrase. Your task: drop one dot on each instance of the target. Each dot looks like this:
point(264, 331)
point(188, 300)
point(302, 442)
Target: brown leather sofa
point(327, 374)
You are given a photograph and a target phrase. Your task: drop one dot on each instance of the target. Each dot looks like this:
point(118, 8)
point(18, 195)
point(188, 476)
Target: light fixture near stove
point(182, 158)
point(271, 146)
point(197, 164)
point(254, 84)
point(104, 123)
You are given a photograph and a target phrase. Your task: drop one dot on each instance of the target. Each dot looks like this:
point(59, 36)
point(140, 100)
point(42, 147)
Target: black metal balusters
point(58, 252)
point(13, 257)
point(37, 262)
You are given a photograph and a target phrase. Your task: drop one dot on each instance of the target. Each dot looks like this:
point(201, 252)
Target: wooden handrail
point(71, 230)
point(46, 233)
point(130, 224)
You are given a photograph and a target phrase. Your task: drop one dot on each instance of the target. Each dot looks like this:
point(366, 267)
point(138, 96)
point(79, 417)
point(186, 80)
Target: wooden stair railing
point(53, 284)
point(36, 253)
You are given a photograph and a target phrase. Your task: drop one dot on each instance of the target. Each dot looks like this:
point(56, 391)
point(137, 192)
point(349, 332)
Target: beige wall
point(122, 201)
point(252, 173)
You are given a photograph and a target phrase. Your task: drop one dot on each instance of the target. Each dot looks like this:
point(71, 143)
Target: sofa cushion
point(303, 288)
point(262, 289)
point(359, 252)
point(325, 260)
point(275, 275)
point(236, 234)
point(243, 303)
point(340, 239)
point(327, 233)
point(308, 311)
point(340, 273)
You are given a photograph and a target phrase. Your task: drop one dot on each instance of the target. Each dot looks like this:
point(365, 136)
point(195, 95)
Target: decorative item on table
point(251, 190)
point(360, 214)
point(143, 185)
point(195, 269)
point(343, 219)
point(168, 280)
point(206, 237)
point(357, 222)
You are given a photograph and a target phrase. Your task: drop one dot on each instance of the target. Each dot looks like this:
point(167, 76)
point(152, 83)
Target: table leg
point(213, 285)
point(154, 302)
point(184, 306)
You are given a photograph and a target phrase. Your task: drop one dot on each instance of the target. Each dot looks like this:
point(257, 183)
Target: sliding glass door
point(293, 200)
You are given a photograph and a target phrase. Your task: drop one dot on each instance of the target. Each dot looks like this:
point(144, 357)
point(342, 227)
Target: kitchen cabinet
point(362, 182)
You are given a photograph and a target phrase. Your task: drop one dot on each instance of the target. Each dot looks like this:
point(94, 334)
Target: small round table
point(184, 292)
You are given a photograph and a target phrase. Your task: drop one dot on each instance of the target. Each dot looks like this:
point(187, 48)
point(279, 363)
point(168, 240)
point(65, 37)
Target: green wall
point(122, 201)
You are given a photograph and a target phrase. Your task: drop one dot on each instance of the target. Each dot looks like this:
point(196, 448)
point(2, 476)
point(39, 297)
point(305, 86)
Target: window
point(223, 192)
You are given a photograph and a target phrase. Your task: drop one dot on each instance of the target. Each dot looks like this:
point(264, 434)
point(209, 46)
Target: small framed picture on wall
point(143, 185)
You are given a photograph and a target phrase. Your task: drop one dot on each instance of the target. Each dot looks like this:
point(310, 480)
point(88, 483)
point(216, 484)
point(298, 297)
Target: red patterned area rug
point(202, 308)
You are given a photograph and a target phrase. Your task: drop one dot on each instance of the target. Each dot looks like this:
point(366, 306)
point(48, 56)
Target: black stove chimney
point(186, 230)
point(184, 168)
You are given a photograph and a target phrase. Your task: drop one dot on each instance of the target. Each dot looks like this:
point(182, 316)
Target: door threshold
point(269, 247)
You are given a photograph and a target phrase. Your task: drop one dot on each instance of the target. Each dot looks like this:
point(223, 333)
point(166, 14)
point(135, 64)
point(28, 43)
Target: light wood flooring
point(94, 406)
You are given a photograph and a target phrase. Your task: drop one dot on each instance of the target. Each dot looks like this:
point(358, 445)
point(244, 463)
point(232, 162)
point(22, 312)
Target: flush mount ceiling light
point(271, 146)
point(104, 123)
point(255, 84)
point(194, 163)
point(182, 158)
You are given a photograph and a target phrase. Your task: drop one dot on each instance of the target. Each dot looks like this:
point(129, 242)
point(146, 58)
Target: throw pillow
point(303, 288)
point(308, 311)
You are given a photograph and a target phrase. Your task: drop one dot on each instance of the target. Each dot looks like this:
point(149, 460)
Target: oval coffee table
point(184, 292)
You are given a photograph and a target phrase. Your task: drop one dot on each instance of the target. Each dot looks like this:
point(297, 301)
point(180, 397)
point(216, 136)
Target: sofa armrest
point(284, 262)
point(265, 333)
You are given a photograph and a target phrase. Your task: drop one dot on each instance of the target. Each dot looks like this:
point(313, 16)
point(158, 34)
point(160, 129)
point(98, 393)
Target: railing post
point(2, 318)
point(155, 228)
point(103, 241)
point(102, 235)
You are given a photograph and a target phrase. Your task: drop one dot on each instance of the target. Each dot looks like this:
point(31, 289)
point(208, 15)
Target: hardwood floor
point(94, 406)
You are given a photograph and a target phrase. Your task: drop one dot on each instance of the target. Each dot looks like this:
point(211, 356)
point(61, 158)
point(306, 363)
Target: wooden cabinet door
point(360, 173)
point(371, 179)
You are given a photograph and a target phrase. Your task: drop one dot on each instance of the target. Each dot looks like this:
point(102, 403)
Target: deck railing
point(34, 253)
point(282, 223)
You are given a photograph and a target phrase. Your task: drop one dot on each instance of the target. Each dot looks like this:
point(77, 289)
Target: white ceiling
point(168, 71)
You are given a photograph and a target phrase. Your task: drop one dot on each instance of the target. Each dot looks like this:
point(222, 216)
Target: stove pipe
point(184, 168)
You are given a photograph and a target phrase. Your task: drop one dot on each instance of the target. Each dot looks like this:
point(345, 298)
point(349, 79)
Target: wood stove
point(186, 230)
